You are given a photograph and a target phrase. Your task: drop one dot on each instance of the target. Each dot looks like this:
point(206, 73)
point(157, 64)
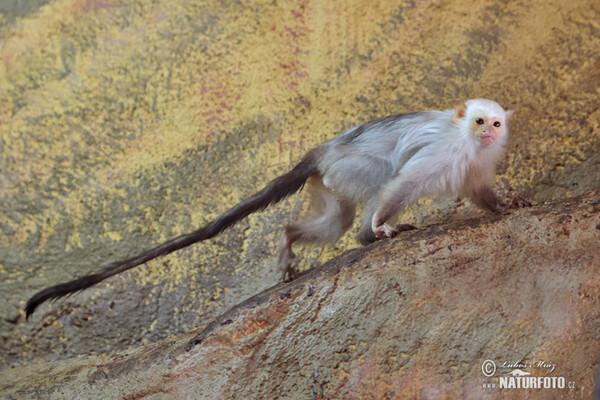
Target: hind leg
point(330, 216)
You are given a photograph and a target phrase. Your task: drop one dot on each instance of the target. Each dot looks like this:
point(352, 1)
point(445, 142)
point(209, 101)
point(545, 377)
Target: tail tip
point(29, 309)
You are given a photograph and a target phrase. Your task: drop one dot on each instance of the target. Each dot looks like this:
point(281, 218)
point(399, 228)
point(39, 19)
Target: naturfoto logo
point(514, 375)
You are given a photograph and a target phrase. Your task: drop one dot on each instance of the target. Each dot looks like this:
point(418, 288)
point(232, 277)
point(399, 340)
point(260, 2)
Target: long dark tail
point(278, 189)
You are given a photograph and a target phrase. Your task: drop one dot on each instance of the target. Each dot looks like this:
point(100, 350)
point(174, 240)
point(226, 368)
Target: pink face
point(486, 129)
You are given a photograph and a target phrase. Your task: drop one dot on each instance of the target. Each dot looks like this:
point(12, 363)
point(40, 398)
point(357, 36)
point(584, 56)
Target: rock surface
point(411, 317)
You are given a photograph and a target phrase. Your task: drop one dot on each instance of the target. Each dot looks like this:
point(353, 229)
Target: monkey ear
point(510, 113)
point(459, 110)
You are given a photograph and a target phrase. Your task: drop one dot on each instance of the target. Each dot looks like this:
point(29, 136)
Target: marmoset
point(384, 164)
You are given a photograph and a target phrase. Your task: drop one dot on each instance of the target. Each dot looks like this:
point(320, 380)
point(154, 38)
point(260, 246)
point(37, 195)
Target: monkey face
point(486, 129)
point(484, 118)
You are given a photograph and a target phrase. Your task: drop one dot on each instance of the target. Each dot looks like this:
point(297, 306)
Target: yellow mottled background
point(125, 123)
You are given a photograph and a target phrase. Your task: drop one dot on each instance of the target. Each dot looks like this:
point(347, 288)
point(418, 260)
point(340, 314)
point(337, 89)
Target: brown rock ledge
point(412, 317)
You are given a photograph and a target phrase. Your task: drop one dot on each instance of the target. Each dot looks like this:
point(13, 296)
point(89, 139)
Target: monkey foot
point(289, 274)
point(384, 231)
point(288, 265)
point(518, 202)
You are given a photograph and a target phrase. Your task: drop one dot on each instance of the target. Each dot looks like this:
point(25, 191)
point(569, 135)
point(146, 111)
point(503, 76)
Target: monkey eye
point(497, 124)
point(479, 121)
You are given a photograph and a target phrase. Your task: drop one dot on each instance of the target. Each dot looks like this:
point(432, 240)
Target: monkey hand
point(384, 231)
point(518, 202)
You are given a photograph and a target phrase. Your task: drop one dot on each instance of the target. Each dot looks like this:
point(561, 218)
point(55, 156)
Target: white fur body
point(424, 148)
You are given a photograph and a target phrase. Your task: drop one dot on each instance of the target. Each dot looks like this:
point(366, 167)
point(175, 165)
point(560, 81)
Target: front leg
point(395, 195)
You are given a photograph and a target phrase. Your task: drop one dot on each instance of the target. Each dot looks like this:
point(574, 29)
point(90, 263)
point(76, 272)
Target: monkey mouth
point(487, 139)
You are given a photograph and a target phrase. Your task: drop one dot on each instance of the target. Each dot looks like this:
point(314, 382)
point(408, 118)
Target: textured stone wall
point(125, 123)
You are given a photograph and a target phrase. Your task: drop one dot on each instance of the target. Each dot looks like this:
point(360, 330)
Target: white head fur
point(485, 119)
